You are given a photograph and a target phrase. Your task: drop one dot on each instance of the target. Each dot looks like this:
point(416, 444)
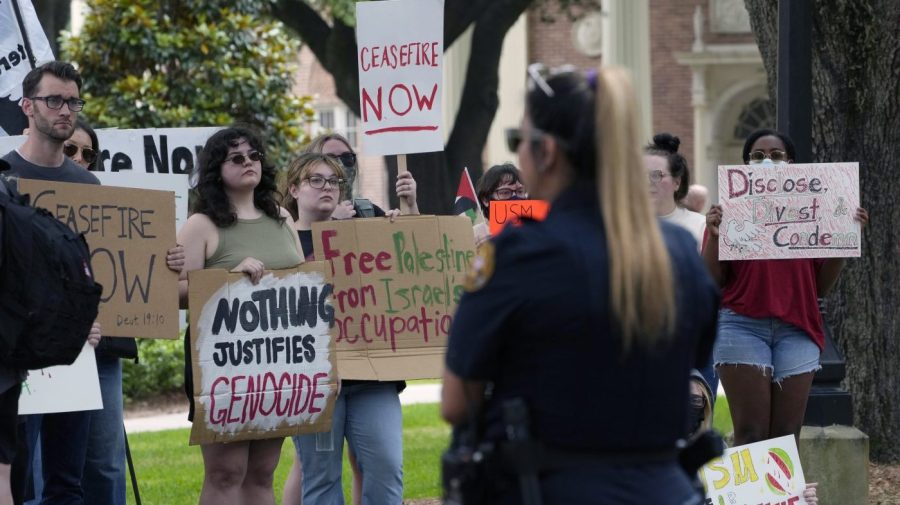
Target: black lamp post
point(828, 402)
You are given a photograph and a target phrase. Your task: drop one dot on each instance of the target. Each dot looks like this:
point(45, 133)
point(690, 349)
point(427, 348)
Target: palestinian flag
point(466, 203)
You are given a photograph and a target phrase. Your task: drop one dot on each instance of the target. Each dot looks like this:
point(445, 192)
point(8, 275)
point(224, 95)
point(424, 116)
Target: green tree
point(190, 63)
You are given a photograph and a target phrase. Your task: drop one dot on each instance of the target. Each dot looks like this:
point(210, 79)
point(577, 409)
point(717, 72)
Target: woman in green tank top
point(237, 225)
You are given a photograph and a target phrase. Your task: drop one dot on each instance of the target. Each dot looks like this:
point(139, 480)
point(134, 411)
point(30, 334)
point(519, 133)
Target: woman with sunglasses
point(237, 225)
point(83, 146)
point(591, 319)
point(771, 331)
point(338, 147)
point(500, 182)
point(367, 413)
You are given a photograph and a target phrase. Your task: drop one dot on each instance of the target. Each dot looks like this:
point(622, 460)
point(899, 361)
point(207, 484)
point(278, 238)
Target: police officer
point(592, 318)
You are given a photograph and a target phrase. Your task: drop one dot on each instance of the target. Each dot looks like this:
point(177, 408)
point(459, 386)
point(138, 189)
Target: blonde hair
point(640, 270)
point(298, 170)
point(317, 145)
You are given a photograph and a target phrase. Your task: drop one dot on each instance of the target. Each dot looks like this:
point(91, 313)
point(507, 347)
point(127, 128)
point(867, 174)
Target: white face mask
point(767, 161)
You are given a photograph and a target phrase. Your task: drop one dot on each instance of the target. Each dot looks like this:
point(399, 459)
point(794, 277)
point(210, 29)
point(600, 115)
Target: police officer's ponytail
point(603, 147)
point(640, 272)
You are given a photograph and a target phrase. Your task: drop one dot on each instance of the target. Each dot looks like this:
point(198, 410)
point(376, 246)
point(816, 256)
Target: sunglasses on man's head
point(239, 159)
point(348, 159)
point(87, 154)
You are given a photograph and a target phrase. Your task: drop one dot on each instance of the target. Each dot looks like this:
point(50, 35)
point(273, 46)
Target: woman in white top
point(669, 180)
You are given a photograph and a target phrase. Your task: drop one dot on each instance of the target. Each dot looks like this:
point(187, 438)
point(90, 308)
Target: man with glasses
point(51, 102)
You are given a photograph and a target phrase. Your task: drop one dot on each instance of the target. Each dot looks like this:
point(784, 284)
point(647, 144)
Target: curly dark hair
point(211, 199)
point(666, 145)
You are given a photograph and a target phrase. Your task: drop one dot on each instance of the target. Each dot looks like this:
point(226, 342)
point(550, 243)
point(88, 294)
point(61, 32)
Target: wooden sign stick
point(401, 168)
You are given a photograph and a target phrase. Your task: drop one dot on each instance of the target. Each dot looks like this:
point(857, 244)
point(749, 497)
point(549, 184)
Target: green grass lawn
point(170, 472)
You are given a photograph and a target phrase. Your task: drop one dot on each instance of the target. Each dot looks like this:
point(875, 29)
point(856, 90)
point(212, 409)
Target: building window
point(352, 129)
point(326, 119)
point(757, 114)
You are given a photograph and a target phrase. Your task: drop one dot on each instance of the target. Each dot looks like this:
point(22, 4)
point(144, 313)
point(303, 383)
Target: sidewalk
point(424, 393)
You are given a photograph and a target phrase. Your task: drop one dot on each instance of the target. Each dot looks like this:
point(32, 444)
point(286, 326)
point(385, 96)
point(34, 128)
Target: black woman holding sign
point(237, 225)
point(585, 325)
point(770, 329)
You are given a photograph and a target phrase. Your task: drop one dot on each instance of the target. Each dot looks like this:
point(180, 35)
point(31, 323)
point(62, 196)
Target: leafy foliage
point(160, 370)
point(190, 63)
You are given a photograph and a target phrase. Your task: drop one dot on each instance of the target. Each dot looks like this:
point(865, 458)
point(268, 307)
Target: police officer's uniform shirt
point(536, 321)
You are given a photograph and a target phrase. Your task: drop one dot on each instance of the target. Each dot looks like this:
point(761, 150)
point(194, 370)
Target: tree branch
point(458, 15)
point(306, 22)
point(479, 101)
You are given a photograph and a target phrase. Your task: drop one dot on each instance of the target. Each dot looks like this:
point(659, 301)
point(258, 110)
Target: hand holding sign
point(252, 267)
point(792, 211)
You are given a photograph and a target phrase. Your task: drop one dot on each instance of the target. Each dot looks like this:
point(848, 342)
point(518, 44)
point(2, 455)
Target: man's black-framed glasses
point(348, 159)
point(56, 102)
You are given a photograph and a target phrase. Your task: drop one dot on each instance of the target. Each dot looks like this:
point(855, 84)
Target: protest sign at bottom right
point(762, 473)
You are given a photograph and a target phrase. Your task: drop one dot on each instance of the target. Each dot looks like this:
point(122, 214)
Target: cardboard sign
point(511, 211)
point(401, 55)
point(129, 232)
point(789, 211)
point(396, 286)
point(764, 472)
point(263, 355)
point(66, 388)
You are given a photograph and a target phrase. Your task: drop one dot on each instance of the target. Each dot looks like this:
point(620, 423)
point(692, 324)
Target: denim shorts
point(769, 343)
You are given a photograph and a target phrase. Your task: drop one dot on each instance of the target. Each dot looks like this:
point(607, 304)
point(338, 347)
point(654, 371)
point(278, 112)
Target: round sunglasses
point(87, 154)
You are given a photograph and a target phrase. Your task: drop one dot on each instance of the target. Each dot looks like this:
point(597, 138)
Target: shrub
point(160, 370)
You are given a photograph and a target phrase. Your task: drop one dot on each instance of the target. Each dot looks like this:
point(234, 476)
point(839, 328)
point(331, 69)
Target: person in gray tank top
point(237, 225)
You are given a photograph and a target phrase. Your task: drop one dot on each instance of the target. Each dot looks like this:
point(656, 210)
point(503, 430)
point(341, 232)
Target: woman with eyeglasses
point(500, 182)
point(588, 322)
point(771, 331)
point(236, 225)
point(670, 178)
point(366, 413)
point(338, 147)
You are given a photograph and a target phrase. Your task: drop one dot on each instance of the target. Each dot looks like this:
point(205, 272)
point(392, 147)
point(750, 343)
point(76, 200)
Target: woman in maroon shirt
point(770, 330)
